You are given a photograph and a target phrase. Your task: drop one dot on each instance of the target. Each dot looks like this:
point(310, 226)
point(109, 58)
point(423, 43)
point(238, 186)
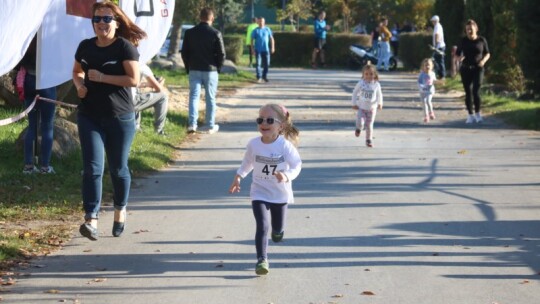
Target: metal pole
point(36, 154)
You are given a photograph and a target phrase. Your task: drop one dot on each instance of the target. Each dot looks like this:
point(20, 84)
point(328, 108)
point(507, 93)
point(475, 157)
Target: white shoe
point(478, 118)
point(214, 129)
point(470, 119)
point(192, 129)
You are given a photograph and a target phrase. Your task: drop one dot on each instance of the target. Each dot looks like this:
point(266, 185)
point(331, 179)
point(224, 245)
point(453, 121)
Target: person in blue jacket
point(320, 28)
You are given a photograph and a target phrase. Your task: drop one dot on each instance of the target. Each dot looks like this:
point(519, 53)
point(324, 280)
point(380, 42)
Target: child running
point(275, 163)
point(366, 99)
point(426, 81)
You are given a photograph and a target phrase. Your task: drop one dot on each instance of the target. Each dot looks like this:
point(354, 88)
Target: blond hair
point(426, 60)
point(372, 69)
point(290, 132)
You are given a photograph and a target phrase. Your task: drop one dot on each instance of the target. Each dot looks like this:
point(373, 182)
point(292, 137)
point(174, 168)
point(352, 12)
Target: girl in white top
point(366, 99)
point(426, 86)
point(275, 162)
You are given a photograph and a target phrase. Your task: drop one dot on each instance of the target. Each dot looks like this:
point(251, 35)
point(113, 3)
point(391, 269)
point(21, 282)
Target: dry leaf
point(337, 296)
point(462, 152)
point(54, 291)
point(524, 282)
point(367, 293)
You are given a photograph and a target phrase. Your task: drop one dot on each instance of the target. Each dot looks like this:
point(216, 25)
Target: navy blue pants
point(265, 214)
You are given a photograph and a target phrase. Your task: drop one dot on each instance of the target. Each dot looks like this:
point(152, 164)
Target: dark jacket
point(203, 49)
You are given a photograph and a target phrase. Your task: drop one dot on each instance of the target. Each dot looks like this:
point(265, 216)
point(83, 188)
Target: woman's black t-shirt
point(473, 50)
point(102, 99)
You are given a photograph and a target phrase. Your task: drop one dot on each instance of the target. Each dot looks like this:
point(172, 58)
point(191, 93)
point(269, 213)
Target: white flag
point(66, 24)
point(154, 17)
point(20, 22)
point(69, 22)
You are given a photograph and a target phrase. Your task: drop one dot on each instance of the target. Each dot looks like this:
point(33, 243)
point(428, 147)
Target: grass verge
point(39, 212)
point(524, 114)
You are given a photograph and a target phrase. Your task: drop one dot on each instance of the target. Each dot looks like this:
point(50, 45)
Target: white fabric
point(367, 95)
point(20, 22)
point(58, 39)
point(438, 29)
point(61, 34)
point(264, 159)
point(154, 17)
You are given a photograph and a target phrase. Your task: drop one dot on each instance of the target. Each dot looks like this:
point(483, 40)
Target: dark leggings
point(471, 77)
point(263, 211)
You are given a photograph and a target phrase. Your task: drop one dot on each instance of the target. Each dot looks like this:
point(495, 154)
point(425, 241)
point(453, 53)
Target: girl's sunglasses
point(106, 19)
point(269, 120)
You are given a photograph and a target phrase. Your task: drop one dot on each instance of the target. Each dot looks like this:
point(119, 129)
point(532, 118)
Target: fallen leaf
point(525, 282)
point(435, 254)
point(87, 250)
point(337, 296)
point(218, 237)
point(54, 291)
point(367, 269)
point(462, 152)
point(367, 293)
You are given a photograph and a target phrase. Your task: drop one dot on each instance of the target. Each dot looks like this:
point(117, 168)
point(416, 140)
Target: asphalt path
point(435, 213)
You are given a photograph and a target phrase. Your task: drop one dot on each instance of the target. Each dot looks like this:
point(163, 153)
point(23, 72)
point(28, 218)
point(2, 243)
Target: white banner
point(154, 17)
point(68, 22)
point(20, 21)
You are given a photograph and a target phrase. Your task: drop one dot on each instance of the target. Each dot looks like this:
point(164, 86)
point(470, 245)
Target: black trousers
point(471, 77)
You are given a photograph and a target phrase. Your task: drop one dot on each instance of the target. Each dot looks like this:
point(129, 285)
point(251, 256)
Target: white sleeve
point(379, 95)
point(355, 93)
point(247, 163)
point(294, 161)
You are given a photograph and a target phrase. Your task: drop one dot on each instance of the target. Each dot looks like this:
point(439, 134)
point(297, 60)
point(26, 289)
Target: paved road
point(438, 213)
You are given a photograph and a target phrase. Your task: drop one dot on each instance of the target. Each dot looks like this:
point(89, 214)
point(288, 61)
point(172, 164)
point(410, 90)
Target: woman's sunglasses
point(269, 120)
point(106, 19)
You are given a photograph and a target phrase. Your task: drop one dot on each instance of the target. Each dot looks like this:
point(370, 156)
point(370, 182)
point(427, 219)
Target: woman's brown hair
point(126, 28)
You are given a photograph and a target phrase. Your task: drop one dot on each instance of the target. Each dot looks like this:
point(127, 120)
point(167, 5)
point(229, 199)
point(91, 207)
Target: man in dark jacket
point(203, 53)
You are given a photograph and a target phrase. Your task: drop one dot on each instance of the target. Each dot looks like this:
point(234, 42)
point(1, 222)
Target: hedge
point(413, 48)
point(234, 47)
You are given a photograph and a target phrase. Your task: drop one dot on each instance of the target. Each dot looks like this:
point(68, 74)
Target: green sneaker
point(277, 237)
point(262, 267)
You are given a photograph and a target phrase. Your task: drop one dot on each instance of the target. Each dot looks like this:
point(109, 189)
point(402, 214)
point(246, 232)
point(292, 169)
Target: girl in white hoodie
point(366, 99)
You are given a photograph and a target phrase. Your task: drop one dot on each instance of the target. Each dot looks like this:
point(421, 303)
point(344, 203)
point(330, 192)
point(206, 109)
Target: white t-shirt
point(265, 159)
point(144, 71)
point(367, 95)
point(438, 30)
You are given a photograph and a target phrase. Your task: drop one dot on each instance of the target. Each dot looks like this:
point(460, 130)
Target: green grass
point(524, 114)
point(51, 204)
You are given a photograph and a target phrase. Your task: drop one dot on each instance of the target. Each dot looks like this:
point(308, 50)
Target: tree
point(294, 11)
point(187, 10)
point(503, 46)
point(528, 40)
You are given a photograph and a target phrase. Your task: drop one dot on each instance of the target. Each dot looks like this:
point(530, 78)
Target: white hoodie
point(367, 95)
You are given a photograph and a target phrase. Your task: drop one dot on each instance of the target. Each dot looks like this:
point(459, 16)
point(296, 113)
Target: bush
point(234, 47)
point(413, 48)
point(295, 48)
point(528, 35)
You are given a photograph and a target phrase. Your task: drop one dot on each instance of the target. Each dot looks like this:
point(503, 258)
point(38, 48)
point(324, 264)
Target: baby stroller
point(360, 56)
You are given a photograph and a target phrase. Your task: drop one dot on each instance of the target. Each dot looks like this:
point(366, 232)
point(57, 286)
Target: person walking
point(262, 45)
point(150, 93)
point(426, 86)
point(366, 99)
point(105, 68)
point(203, 53)
point(254, 24)
point(320, 27)
point(473, 53)
point(43, 112)
point(384, 46)
point(440, 47)
point(275, 163)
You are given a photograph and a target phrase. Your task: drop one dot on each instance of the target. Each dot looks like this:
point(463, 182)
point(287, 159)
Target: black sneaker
point(89, 232)
point(369, 143)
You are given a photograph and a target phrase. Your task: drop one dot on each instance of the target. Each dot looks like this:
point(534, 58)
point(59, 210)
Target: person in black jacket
point(203, 53)
point(473, 52)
